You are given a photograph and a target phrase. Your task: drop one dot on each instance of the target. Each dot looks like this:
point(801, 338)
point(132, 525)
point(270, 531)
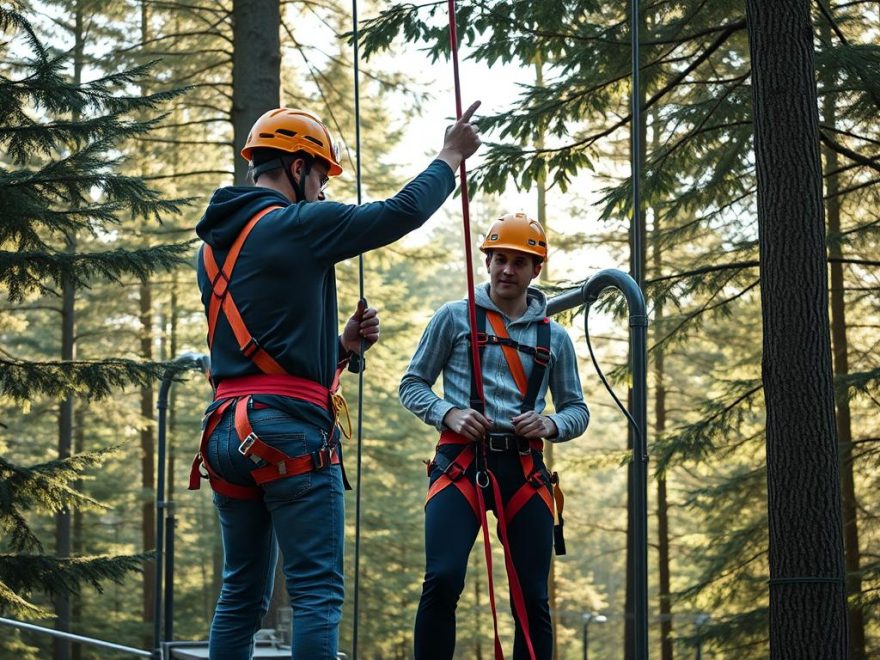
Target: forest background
point(106, 166)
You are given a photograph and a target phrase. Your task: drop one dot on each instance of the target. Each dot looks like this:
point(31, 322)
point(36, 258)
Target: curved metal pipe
point(638, 496)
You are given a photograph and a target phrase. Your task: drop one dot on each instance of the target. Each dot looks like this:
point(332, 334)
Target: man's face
point(314, 182)
point(511, 272)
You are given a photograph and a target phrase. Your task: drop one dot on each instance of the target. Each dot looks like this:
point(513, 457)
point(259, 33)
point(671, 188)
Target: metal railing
point(79, 639)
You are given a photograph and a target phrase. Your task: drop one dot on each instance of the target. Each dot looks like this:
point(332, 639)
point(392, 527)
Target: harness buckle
point(245, 447)
point(499, 441)
point(454, 471)
point(250, 348)
point(321, 458)
point(535, 480)
point(482, 339)
point(507, 441)
point(542, 356)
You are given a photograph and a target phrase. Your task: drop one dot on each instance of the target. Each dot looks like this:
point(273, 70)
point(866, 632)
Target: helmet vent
point(315, 140)
point(267, 135)
point(285, 131)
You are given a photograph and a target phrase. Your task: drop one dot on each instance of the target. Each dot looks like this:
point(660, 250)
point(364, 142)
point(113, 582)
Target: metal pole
point(21, 625)
point(636, 146)
point(161, 405)
point(639, 365)
point(169, 573)
point(163, 508)
point(638, 323)
point(586, 639)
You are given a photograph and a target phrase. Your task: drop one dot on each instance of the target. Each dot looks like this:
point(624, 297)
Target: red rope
point(465, 212)
point(515, 587)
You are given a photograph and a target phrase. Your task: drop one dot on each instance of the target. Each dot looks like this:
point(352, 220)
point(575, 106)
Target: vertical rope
point(465, 212)
point(360, 406)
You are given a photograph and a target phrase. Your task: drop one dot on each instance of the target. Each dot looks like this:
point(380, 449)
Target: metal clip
point(245, 447)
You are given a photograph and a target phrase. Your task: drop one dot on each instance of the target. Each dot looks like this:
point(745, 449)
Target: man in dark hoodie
point(270, 446)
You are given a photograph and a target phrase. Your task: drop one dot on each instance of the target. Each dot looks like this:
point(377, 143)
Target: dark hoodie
point(284, 282)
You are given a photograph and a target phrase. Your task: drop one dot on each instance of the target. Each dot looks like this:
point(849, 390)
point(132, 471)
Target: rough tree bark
point(256, 69)
point(807, 591)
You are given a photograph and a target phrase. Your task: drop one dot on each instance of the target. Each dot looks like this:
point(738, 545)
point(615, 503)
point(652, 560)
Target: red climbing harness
point(535, 484)
point(238, 392)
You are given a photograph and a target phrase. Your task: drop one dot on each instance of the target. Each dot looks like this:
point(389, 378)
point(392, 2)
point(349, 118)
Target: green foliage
point(62, 198)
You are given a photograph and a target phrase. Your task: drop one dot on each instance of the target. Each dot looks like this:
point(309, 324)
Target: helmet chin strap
point(298, 187)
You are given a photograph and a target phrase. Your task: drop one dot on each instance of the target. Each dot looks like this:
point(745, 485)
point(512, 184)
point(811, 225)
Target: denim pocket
point(293, 437)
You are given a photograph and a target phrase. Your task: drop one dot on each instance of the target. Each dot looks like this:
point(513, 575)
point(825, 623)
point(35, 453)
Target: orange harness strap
point(222, 298)
point(510, 353)
point(454, 472)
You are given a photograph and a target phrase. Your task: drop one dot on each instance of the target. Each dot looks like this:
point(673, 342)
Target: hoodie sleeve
point(430, 357)
point(340, 231)
point(572, 415)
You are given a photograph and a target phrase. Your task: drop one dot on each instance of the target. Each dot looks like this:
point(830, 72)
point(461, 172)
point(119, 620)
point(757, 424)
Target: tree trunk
point(840, 348)
point(148, 478)
point(807, 591)
point(63, 541)
point(663, 573)
point(256, 69)
point(61, 649)
point(78, 540)
point(148, 459)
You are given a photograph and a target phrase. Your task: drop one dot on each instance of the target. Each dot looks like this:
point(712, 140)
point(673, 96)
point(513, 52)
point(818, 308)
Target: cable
point(623, 409)
point(357, 362)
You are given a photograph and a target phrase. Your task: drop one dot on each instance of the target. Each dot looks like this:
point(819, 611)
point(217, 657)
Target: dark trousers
point(450, 531)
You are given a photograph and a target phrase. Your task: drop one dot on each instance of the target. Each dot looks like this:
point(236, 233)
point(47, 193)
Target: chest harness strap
point(274, 380)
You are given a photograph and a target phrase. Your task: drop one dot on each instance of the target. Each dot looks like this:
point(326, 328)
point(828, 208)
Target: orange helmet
point(516, 231)
point(291, 130)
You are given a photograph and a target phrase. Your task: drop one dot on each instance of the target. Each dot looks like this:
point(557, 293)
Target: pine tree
point(58, 180)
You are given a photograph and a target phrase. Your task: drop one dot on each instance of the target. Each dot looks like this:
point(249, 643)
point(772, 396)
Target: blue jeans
point(305, 514)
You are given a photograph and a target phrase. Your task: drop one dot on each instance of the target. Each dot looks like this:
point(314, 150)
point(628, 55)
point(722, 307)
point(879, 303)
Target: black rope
point(623, 409)
point(357, 361)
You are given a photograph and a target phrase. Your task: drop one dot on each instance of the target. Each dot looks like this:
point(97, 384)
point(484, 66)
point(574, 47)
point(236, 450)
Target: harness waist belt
point(277, 384)
point(510, 441)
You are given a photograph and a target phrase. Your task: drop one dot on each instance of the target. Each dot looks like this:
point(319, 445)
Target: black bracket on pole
point(586, 295)
point(165, 509)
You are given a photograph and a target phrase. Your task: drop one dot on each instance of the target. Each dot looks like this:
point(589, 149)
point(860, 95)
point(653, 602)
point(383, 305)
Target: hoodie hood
point(230, 209)
point(537, 303)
